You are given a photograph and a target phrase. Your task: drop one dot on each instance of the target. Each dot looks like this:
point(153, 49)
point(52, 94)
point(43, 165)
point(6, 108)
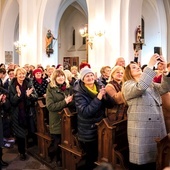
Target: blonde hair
point(21, 69)
point(68, 74)
point(114, 69)
point(56, 74)
point(74, 67)
point(50, 68)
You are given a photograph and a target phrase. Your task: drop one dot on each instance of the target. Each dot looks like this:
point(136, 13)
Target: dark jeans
point(21, 145)
point(0, 153)
point(149, 166)
point(91, 151)
point(54, 149)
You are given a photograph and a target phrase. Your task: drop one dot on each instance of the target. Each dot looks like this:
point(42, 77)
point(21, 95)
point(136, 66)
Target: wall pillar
point(27, 32)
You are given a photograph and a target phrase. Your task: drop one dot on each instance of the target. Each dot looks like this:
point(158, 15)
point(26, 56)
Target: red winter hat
point(58, 66)
point(84, 64)
point(36, 71)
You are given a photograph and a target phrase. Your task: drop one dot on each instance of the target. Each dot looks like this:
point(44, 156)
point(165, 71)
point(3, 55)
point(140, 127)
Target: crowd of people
point(122, 91)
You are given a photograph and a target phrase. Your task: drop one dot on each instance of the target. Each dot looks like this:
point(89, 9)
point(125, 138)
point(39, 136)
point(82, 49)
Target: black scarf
point(22, 116)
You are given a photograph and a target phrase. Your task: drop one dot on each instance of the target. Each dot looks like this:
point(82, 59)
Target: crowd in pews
point(120, 93)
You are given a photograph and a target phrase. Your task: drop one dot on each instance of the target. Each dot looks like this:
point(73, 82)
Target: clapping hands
point(101, 93)
point(69, 98)
point(28, 91)
point(2, 98)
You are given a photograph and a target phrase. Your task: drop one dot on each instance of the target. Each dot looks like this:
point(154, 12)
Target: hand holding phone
point(158, 50)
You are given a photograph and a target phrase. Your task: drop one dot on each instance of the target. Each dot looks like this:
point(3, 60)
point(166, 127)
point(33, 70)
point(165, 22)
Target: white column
point(96, 21)
point(104, 15)
point(112, 33)
point(130, 19)
point(27, 31)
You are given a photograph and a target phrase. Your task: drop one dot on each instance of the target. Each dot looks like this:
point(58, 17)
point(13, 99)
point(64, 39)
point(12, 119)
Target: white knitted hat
point(85, 71)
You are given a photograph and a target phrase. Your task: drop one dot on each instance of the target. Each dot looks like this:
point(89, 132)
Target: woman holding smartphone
point(145, 115)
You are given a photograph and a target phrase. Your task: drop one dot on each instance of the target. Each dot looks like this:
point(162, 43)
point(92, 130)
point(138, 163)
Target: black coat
point(90, 110)
point(4, 107)
point(29, 102)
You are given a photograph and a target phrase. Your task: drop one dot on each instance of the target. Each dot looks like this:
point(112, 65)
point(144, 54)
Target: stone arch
point(167, 11)
point(153, 12)
point(155, 26)
point(8, 28)
point(49, 17)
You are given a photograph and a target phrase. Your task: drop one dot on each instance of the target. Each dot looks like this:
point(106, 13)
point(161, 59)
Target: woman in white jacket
point(145, 116)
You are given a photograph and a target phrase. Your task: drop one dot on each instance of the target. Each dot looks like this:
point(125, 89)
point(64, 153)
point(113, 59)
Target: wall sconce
point(99, 33)
point(84, 33)
point(18, 45)
point(89, 38)
point(90, 42)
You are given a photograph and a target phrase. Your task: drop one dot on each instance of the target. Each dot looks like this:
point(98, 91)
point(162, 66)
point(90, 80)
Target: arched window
point(143, 28)
point(84, 40)
point(74, 37)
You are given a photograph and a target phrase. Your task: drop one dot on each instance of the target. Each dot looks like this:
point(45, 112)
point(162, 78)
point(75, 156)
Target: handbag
point(166, 110)
point(116, 113)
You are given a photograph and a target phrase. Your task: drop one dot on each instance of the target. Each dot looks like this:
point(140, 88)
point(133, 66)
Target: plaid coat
point(145, 116)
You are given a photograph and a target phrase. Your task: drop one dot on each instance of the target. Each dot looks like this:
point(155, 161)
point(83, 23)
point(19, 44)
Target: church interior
point(67, 33)
point(111, 30)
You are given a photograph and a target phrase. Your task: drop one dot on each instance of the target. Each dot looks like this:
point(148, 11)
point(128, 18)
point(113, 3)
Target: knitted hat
point(36, 71)
point(85, 71)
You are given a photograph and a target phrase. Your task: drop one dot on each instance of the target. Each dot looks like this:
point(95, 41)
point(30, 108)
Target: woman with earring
point(22, 97)
point(145, 115)
point(58, 96)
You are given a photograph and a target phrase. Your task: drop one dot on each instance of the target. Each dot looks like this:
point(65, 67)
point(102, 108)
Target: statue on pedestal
point(138, 34)
point(49, 43)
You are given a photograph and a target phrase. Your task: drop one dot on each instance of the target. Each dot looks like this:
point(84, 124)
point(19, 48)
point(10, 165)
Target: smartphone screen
point(158, 50)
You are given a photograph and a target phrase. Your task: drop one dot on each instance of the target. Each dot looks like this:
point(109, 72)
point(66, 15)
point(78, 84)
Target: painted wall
point(155, 28)
point(118, 18)
point(69, 22)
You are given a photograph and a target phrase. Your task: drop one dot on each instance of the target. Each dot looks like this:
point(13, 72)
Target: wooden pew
point(112, 137)
point(112, 143)
point(71, 152)
point(163, 152)
point(44, 139)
